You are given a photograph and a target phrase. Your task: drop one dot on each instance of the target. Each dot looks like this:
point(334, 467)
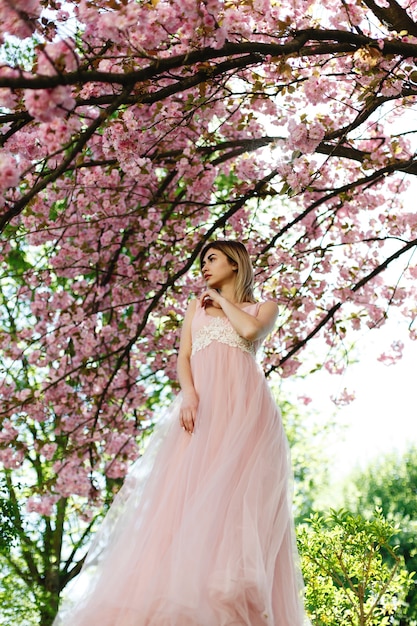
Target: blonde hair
point(237, 255)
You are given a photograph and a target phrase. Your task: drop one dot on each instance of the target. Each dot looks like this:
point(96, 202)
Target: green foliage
point(349, 580)
point(25, 599)
point(391, 485)
point(8, 531)
point(18, 602)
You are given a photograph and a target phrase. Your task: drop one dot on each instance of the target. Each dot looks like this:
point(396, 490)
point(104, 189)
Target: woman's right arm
point(189, 404)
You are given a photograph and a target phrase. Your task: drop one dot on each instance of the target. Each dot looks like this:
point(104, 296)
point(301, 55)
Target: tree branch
point(18, 206)
point(333, 310)
point(337, 41)
point(395, 17)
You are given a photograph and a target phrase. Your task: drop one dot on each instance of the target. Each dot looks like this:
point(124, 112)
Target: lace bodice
point(219, 329)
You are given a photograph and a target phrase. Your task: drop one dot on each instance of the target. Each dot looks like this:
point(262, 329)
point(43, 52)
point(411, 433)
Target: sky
point(383, 416)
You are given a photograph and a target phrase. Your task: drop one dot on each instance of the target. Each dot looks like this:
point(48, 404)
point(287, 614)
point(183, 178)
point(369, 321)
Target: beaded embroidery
point(219, 329)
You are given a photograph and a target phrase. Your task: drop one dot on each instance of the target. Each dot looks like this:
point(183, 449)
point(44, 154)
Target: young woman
point(201, 534)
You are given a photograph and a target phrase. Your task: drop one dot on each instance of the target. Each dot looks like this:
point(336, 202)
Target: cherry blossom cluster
point(140, 131)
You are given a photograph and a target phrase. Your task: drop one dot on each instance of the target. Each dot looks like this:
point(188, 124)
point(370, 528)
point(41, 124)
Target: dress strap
point(257, 307)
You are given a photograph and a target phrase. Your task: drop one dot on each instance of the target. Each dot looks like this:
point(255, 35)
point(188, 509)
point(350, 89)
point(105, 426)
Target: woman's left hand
point(211, 297)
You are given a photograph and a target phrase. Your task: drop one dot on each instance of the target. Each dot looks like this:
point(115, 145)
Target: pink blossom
point(392, 87)
point(306, 400)
point(12, 22)
point(9, 171)
point(47, 104)
point(42, 505)
point(23, 395)
point(413, 271)
point(394, 355)
point(48, 450)
point(7, 98)
point(116, 469)
point(344, 398)
point(56, 57)
point(305, 137)
point(289, 367)
point(335, 368)
point(8, 432)
point(315, 90)
point(10, 458)
point(30, 7)
point(73, 478)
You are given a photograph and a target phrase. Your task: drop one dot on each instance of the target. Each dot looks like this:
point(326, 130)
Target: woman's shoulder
point(191, 308)
point(268, 304)
point(267, 313)
point(192, 304)
point(265, 309)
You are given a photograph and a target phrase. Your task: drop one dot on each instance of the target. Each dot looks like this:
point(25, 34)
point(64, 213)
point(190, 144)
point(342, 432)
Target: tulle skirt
point(201, 534)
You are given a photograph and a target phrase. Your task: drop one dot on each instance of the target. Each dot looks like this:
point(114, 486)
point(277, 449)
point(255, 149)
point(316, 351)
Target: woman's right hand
point(188, 411)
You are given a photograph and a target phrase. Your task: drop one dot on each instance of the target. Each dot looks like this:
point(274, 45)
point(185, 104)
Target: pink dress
point(201, 534)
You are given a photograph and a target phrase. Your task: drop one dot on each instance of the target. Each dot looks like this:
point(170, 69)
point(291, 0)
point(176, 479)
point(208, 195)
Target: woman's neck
point(228, 292)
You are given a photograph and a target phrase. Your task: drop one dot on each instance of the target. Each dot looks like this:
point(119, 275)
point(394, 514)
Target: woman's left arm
point(246, 325)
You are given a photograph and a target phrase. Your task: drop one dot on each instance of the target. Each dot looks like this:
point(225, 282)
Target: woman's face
point(217, 269)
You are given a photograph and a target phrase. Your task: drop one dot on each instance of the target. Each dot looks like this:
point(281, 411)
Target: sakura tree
point(133, 133)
